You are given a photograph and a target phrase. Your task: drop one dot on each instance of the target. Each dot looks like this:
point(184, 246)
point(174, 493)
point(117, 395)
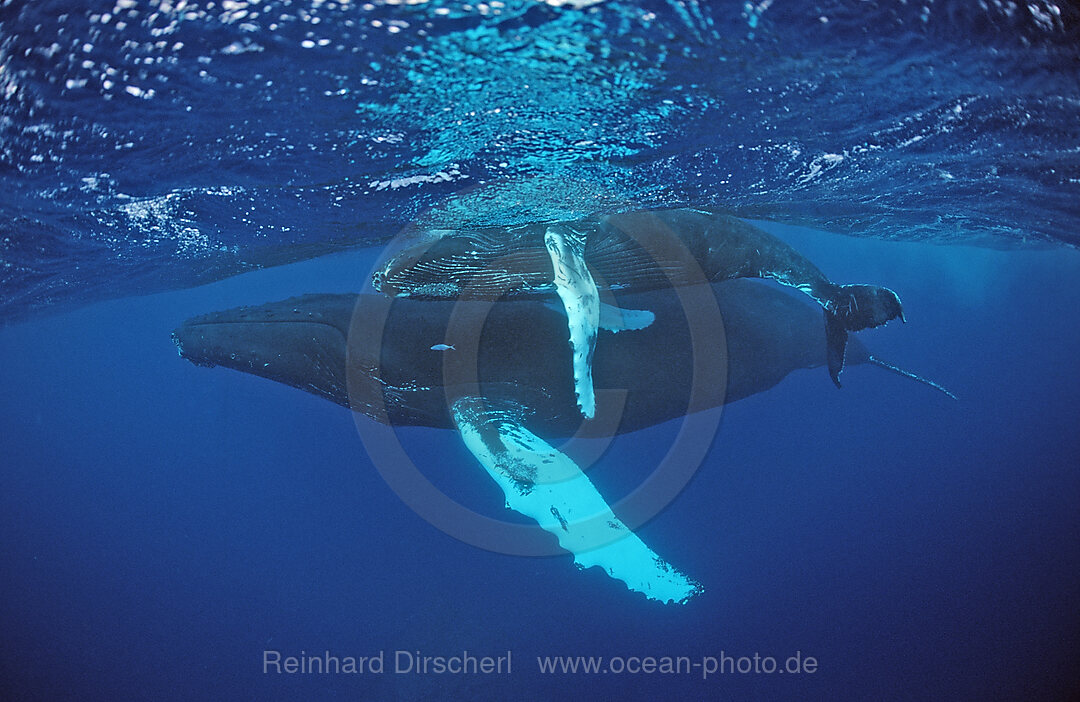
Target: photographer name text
point(398, 662)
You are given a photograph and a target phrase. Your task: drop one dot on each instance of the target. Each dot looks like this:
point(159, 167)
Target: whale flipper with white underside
point(544, 484)
point(577, 290)
point(615, 319)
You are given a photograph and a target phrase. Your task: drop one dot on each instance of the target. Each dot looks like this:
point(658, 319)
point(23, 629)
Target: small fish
point(443, 347)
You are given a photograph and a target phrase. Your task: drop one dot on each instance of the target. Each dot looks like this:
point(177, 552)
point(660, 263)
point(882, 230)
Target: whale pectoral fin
point(835, 345)
point(615, 319)
point(547, 486)
point(581, 301)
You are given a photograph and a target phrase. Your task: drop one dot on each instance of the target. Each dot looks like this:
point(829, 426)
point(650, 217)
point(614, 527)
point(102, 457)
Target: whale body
point(633, 251)
point(500, 374)
point(752, 334)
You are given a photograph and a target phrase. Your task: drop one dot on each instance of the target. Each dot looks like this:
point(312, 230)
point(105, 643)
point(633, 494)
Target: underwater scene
point(539, 350)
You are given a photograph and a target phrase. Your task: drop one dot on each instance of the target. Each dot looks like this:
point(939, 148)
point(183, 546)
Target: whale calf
point(642, 250)
point(507, 387)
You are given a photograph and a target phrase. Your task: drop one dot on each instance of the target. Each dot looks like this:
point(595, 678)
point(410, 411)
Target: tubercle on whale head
point(386, 279)
point(378, 280)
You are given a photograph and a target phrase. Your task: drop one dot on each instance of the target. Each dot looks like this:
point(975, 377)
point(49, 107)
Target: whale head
point(299, 342)
point(475, 264)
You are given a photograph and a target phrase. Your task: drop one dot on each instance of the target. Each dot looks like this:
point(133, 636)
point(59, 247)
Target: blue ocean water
point(164, 524)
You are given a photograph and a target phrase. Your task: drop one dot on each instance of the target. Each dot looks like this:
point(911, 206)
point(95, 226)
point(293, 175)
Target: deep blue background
point(163, 524)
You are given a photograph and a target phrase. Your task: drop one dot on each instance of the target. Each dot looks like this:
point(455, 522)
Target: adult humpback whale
point(498, 376)
point(628, 251)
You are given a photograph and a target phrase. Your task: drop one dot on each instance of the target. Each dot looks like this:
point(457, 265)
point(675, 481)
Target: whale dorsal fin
point(545, 485)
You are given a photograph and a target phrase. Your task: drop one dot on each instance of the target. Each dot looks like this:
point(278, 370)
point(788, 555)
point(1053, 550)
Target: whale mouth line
point(195, 323)
point(207, 342)
point(223, 322)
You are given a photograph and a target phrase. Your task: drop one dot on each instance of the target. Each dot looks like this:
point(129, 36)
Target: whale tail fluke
point(854, 308)
point(865, 306)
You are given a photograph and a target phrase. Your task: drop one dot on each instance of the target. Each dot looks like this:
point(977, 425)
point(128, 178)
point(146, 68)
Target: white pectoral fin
point(616, 319)
point(545, 485)
point(577, 290)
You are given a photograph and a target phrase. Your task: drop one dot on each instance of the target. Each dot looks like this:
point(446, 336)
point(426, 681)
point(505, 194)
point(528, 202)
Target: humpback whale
point(505, 384)
point(635, 251)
